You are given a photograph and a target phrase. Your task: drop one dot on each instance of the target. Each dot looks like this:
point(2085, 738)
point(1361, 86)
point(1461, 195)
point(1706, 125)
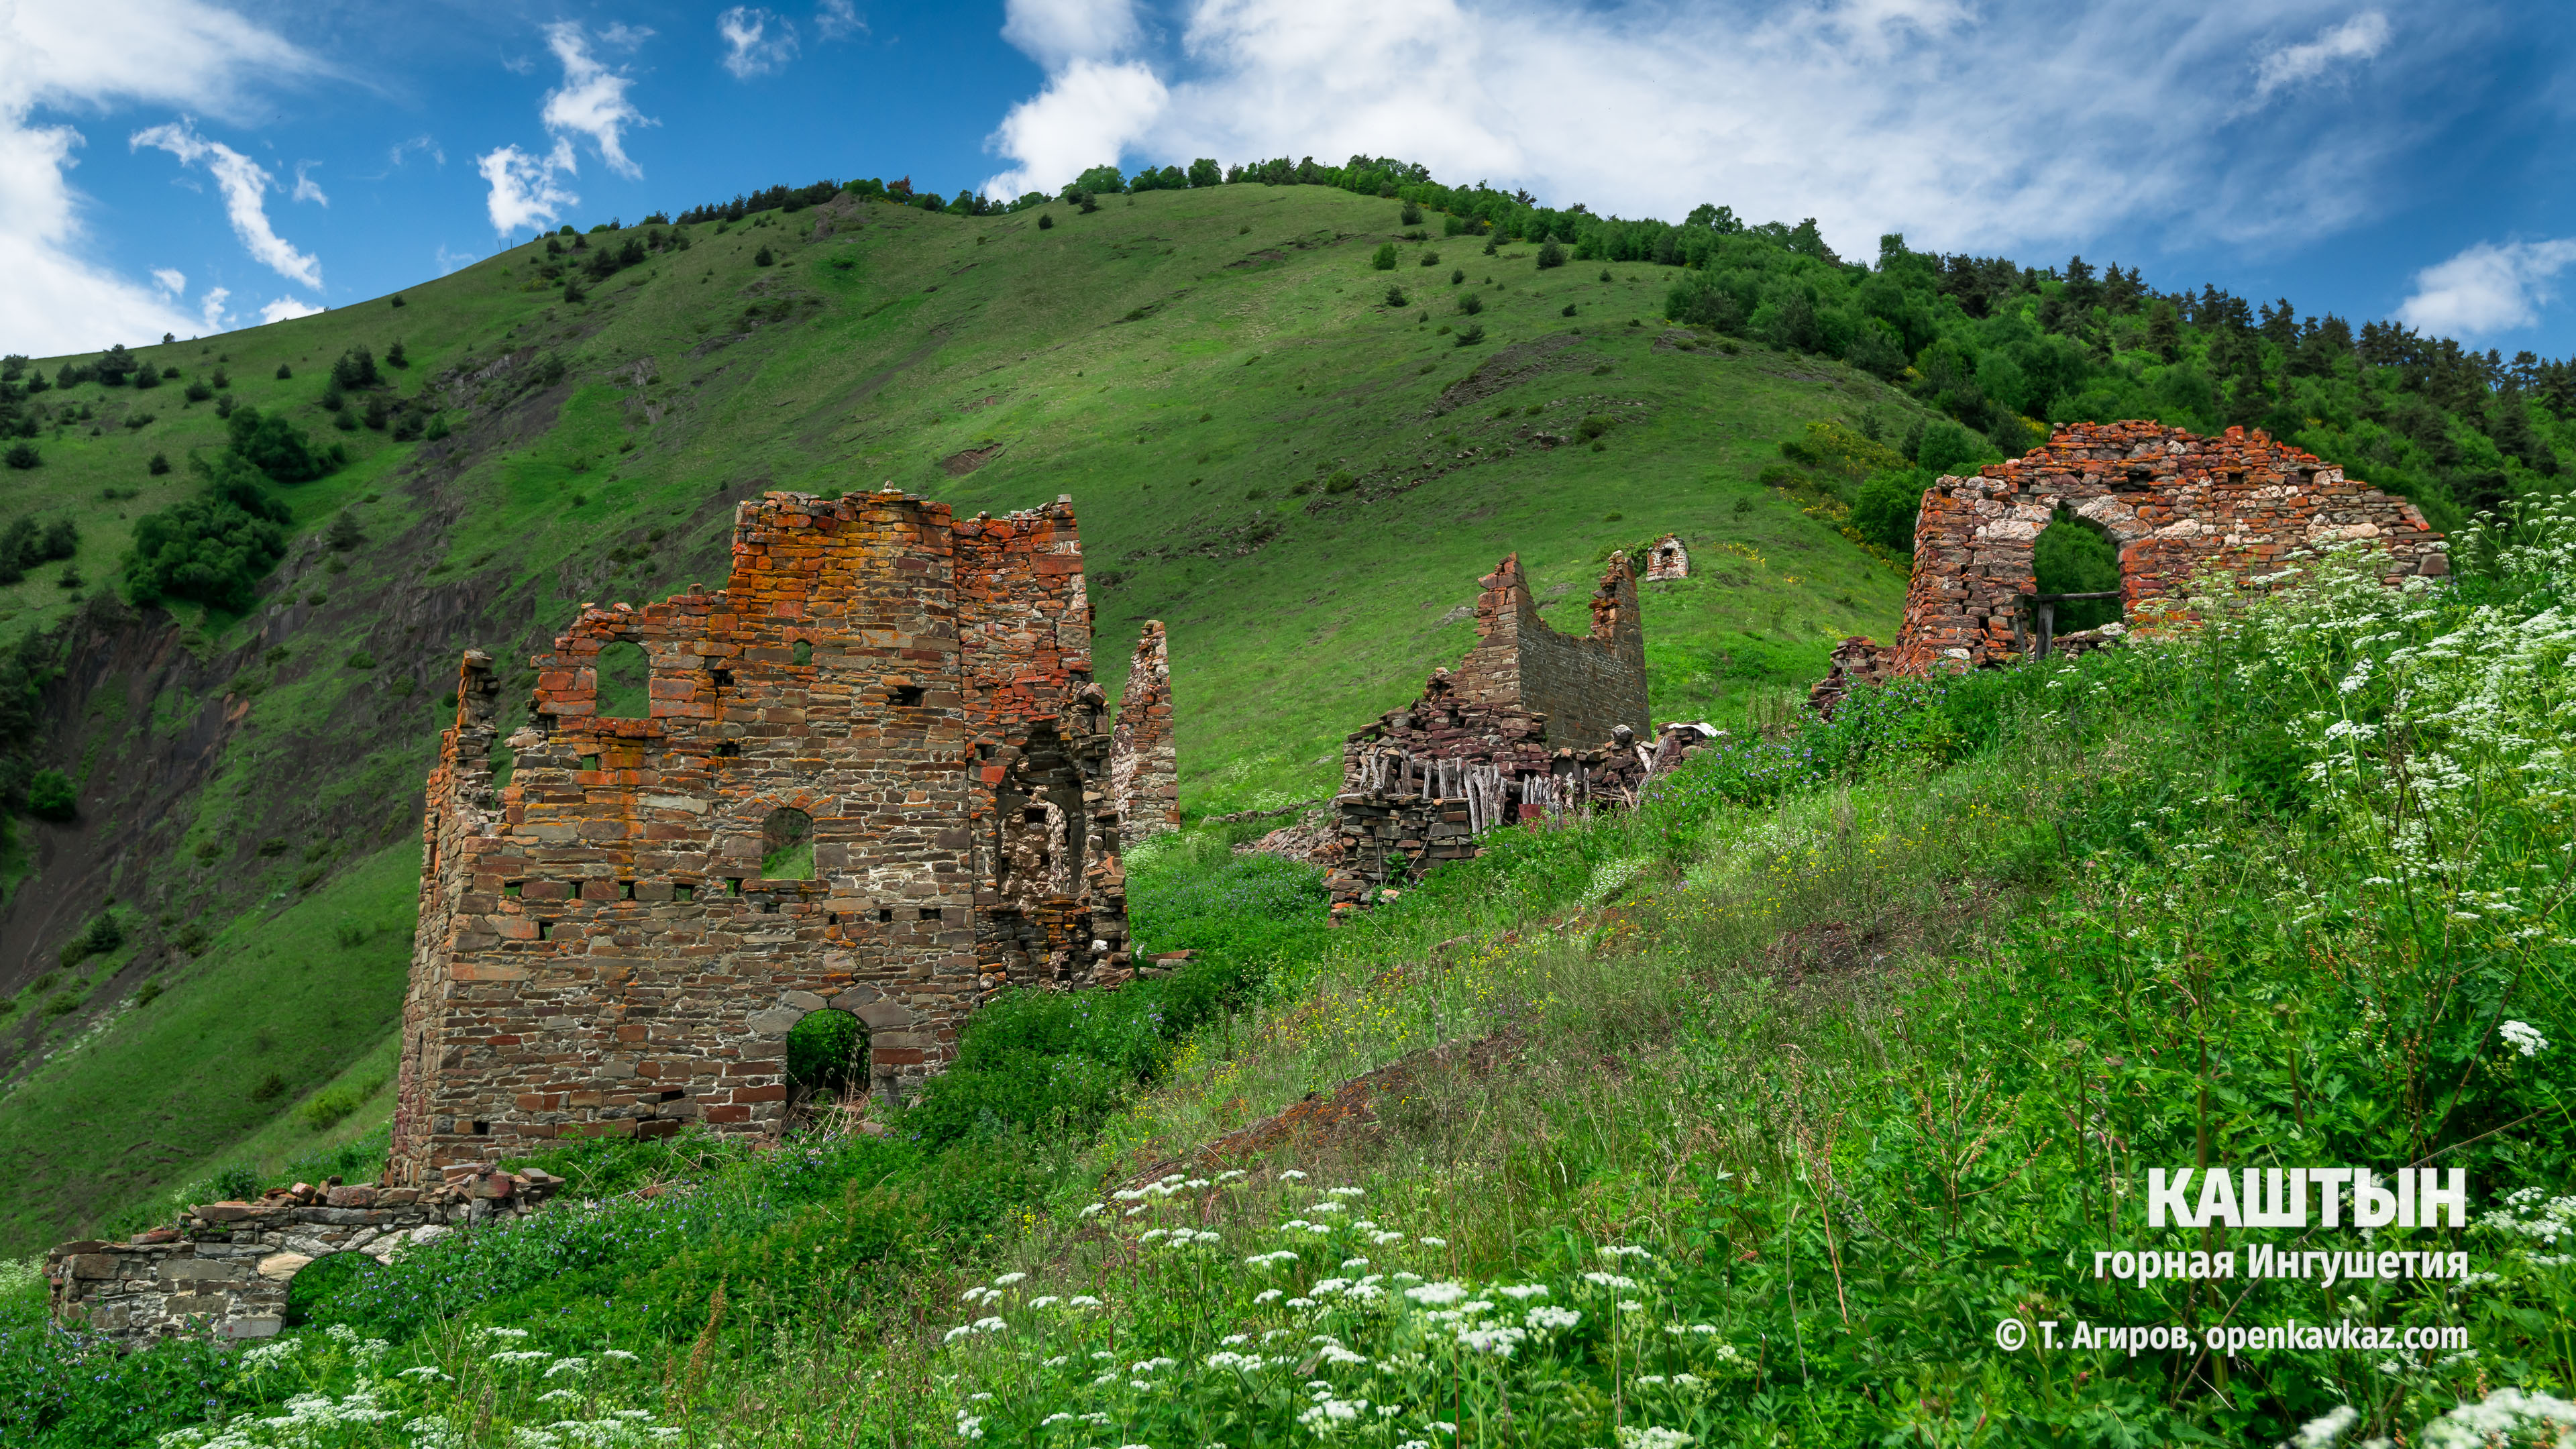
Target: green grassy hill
point(1302, 478)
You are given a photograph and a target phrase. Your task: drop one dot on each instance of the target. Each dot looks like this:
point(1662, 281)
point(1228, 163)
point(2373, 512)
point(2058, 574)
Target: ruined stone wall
point(601, 950)
point(1667, 560)
point(1585, 685)
point(2171, 501)
point(1478, 749)
point(1144, 767)
point(226, 1267)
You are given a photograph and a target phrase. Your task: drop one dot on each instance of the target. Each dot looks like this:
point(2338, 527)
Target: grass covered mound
point(1791, 1090)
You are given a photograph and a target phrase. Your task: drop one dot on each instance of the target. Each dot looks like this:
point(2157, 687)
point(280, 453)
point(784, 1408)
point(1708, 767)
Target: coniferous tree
point(1550, 254)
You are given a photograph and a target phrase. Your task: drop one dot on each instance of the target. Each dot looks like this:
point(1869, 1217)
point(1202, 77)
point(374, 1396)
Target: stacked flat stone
point(600, 951)
point(2173, 502)
point(224, 1268)
point(1475, 749)
point(1144, 766)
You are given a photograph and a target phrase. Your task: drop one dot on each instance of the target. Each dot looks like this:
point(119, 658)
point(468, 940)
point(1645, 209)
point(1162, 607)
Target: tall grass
point(1790, 1089)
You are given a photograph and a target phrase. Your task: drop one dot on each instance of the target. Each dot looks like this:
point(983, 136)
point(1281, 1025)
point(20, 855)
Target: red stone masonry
point(599, 949)
point(2171, 501)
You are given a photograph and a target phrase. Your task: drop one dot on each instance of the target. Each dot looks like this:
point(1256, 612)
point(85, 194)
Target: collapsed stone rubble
point(1144, 768)
point(1667, 560)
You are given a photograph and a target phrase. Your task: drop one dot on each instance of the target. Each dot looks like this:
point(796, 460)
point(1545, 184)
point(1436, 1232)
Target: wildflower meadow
point(1811, 1103)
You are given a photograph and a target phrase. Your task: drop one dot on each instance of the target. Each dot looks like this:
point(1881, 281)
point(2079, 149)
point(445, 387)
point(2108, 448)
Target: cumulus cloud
point(2488, 288)
point(210, 308)
point(54, 296)
point(524, 190)
point(756, 41)
point(2362, 37)
point(1866, 114)
point(1090, 112)
point(244, 184)
point(838, 20)
point(285, 308)
point(592, 101)
point(1056, 33)
point(170, 280)
point(306, 188)
point(527, 188)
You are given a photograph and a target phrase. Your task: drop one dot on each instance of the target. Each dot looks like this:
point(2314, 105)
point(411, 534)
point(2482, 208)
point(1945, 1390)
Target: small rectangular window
point(728, 750)
point(907, 696)
point(804, 652)
point(626, 890)
point(885, 914)
point(1035, 815)
point(590, 762)
point(683, 891)
point(733, 885)
point(930, 913)
point(673, 1095)
point(482, 1129)
point(510, 888)
point(545, 930)
point(723, 678)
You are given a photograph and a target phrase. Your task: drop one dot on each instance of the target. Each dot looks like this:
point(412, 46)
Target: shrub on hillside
point(212, 549)
point(1884, 512)
point(23, 455)
point(1550, 254)
point(1949, 449)
point(1384, 258)
point(275, 446)
point(50, 795)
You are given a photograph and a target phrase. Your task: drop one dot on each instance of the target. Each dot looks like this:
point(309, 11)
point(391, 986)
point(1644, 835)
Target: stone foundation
point(225, 1268)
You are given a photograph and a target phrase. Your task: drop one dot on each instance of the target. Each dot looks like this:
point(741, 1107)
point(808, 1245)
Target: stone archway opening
point(787, 845)
point(317, 1279)
point(828, 1070)
point(624, 678)
point(2075, 555)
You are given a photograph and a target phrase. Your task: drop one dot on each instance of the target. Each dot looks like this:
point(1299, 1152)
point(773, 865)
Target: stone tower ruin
point(873, 776)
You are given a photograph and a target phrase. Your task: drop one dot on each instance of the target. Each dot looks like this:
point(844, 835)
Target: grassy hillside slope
point(1302, 479)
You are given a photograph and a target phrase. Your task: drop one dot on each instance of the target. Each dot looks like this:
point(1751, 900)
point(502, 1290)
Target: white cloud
point(1870, 115)
point(838, 20)
point(210, 308)
point(285, 308)
point(1056, 33)
point(306, 188)
point(454, 261)
point(244, 185)
point(54, 296)
point(170, 280)
point(592, 101)
point(524, 190)
point(1089, 113)
point(2362, 37)
point(2487, 288)
point(756, 41)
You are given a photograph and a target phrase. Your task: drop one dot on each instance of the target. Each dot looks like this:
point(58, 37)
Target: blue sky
point(184, 166)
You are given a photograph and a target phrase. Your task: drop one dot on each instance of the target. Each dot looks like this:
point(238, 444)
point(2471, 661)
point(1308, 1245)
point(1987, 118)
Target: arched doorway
point(317, 1280)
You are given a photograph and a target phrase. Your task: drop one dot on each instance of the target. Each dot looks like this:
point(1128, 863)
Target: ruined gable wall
point(1144, 768)
point(613, 959)
point(1585, 685)
point(2173, 502)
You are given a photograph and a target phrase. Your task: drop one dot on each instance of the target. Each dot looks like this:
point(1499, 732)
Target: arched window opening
point(2075, 556)
point(787, 846)
point(625, 679)
point(827, 1070)
point(320, 1279)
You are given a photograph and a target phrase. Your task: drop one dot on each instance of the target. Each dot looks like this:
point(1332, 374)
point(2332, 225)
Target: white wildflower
point(2523, 1037)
